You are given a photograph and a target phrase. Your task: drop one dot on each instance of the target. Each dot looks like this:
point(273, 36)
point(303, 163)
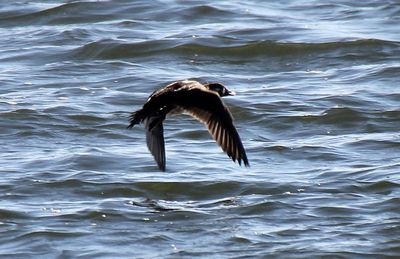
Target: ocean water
point(317, 108)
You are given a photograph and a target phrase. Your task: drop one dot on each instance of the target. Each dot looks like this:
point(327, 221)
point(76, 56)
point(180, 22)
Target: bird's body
point(203, 102)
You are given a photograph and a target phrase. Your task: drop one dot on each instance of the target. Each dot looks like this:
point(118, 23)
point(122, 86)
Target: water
point(317, 108)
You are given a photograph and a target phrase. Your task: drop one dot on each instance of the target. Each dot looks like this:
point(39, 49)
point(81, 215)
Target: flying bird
point(203, 102)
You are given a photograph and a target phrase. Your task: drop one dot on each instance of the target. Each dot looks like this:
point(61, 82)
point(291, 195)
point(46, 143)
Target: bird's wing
point(155, 139)
point(207, 107)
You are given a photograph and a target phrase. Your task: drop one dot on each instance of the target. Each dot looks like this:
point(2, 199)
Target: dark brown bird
point(203, 102)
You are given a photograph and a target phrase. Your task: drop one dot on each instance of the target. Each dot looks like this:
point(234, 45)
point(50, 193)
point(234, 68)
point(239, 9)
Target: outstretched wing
point(207, 107)
point(155, 139)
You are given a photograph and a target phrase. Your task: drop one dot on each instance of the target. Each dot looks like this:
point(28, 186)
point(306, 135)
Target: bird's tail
point(136, 117)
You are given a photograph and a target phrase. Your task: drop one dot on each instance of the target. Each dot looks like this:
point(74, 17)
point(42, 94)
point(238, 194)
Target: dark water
point(317, 107)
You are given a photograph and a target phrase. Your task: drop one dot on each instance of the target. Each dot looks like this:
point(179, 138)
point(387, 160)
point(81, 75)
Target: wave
point(112, 49)
point(93, 11)
point(68, 13)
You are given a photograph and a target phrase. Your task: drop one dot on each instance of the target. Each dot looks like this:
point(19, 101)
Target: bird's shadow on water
point(154, 205)
point(202, 207)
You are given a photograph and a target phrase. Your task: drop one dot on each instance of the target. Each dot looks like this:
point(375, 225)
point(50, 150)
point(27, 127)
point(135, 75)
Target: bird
point(201, 101)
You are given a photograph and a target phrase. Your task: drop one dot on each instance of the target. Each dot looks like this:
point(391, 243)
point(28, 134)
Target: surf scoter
point(203, 102)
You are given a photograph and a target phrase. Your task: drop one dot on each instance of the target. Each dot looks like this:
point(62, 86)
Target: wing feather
point(208, 108)
point(155, 139)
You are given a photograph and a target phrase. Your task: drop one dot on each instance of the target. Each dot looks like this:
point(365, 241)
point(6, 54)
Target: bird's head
point(219, 88)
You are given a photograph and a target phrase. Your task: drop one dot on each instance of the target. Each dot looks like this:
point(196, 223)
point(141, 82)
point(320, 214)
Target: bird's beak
point(230, 93)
